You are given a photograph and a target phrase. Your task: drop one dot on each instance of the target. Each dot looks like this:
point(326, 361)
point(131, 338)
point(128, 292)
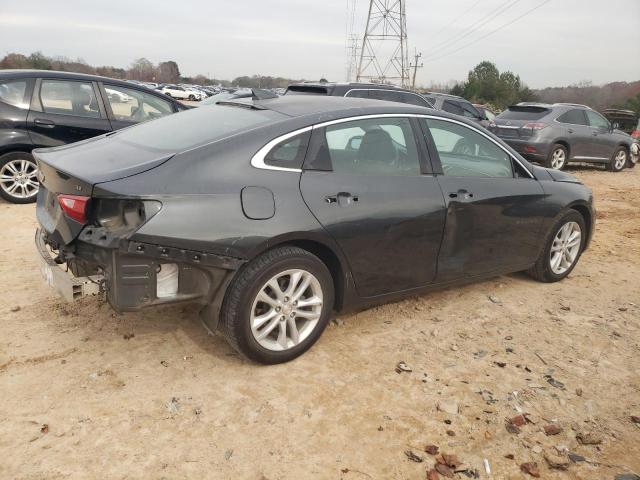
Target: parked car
point(180, 93)
point(456, 105)
point(48, 108)
point(487, 115)
point(271, 214)
point(559, 133)
point(375, 91)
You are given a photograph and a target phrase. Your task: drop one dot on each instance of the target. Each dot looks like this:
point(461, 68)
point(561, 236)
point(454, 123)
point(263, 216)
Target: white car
point(118, 97)
point(197, 93)
point(180, 93)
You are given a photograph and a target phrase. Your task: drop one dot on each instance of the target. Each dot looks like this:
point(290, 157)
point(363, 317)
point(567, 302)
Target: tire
point(619, 160)
point(558, 157)
point(633, 155)
point(192, 97)
point(168, 94)
point(543, 270)
point(18, 177)
point(242, 306)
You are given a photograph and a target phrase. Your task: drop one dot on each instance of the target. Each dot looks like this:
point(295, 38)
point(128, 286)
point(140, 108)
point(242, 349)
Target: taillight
point(534, 125)
point(636, 134)
point(75, 206)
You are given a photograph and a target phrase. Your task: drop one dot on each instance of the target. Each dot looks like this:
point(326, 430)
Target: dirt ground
point(89, 394)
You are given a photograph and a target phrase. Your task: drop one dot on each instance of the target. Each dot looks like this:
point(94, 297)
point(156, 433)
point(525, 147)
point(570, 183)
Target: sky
point(555, 43)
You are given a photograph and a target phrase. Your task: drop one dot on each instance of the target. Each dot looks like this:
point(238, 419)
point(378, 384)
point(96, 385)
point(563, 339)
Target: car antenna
point(261, 94)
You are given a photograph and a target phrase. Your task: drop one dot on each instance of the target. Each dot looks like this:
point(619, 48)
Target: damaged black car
point(274, 213)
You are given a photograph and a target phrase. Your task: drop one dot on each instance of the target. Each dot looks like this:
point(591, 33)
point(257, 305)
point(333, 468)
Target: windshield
point(195, 127)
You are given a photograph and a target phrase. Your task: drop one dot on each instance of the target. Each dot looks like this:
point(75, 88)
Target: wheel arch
point(587, 215)
point(565, 143)
point(322, 248)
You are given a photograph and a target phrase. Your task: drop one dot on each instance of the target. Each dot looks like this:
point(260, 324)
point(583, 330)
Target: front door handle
point(43, 122)
point(595, 134)
point(570, 130)
point(461, 194)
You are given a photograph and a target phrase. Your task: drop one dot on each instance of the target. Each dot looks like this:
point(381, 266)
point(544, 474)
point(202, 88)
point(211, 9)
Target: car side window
point(489, 115)
point(358, 93)
point(469, 110)
point(290, 152)
point(596, 120)
point(388, 95)
point(464, 152)
point(452, 107)
point(380, 146)
point(574, 117)
point(414, 99)
point(130, 105)
point(69, 98)
point(14, 92)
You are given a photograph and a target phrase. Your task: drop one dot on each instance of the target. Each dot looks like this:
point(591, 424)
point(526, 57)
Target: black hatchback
point(41, 108)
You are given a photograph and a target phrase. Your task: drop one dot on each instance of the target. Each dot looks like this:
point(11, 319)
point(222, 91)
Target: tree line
point(141, 69)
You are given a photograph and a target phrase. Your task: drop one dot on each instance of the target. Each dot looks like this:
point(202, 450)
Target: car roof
point(312, 109)
point(66, 75)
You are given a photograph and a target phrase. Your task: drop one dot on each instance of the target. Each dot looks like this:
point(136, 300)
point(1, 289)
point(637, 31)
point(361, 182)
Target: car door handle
point(595, 134)
point(43, 122)
point(341, 198)
point(461, 194)
point(570, 131)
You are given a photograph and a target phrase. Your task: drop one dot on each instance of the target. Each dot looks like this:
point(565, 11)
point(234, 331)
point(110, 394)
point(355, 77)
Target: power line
point(456, 19)
point(490, 33)
point(472, 28)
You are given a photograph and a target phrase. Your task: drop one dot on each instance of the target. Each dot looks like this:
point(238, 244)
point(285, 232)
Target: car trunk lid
point(59, 187)
point(519, 121)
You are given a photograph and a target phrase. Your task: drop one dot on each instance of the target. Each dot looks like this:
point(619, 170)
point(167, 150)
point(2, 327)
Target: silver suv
point(559, 133)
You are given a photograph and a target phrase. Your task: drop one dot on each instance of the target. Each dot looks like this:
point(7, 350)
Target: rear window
point(196, 126)
point(14, 92)
point(523, 113)
point(306, 90)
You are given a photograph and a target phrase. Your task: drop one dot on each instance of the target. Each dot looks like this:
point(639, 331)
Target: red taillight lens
point(75, 206)
point(529, 149)
point(535, 125)
point(636, 134)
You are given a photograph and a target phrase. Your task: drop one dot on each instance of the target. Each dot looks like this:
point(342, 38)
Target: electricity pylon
point(383, 55)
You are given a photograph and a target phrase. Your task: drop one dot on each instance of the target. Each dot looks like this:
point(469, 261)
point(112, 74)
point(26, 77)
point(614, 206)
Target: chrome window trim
point(257, 160)
point(390, 90)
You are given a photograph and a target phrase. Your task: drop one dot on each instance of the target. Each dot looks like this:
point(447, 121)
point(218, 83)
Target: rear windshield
point(523, 113)
point(196, 126)
point(306, 90)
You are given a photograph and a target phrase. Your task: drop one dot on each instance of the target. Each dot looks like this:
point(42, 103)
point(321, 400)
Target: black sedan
point(43, 108)
point(272, 214)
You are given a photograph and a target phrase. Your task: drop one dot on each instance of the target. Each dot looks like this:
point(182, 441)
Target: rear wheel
point(618, 160)
point(192, 97)
point(278, 305)
point(18, 177)
point(558, 157)
point(563, 247)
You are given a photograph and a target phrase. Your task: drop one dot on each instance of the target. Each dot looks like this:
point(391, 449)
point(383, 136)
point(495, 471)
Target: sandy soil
point(80, 399)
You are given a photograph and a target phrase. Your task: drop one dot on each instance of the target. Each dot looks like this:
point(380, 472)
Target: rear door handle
point(461, 194)
point(570, 131)
point(43, 122)
point(341, 198)
point(595, 134)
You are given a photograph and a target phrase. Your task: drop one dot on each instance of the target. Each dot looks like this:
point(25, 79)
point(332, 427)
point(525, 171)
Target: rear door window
point(358, 93)
point(379, 146)
point(15, 92)
point(574, 117)
point(469, 110)
point(414, 99)
point(69, 98)
point(130, 105)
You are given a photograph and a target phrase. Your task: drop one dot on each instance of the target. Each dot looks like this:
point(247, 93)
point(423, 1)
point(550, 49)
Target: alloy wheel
point(620, 160)
point(558, 158)
point(286, 309)
point(565, 248)
point(19, 178)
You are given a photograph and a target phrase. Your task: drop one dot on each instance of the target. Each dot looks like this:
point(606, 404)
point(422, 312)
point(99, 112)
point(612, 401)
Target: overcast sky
point(562, 42)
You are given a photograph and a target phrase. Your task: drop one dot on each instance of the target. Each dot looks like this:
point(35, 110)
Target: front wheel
point(192, 97)
point(562, 249)
point(618, 160)
point(278, 305)
point(18, 177)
